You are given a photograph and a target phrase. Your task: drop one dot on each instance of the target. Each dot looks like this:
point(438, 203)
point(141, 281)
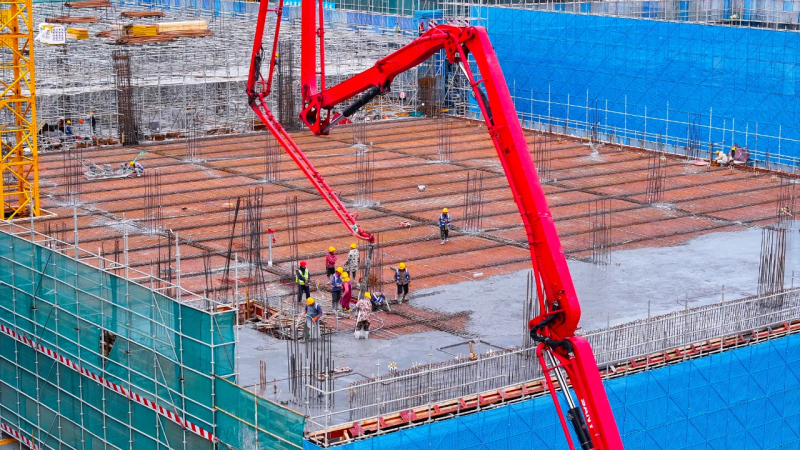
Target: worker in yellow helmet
point(403, 279)
point(351, 265)
point(330, 262)
point(444, 226)
point(313, 314)
point(336, 287)
point(364, 307)
point(137, 167)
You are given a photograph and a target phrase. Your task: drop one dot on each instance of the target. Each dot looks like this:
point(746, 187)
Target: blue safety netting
point(730, 82)
point(748, 398)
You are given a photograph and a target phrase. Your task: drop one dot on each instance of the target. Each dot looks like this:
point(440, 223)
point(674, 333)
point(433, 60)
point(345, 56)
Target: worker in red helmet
point(301, 279)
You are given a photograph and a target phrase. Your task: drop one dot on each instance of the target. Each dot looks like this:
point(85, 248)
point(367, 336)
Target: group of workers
point(342, 289)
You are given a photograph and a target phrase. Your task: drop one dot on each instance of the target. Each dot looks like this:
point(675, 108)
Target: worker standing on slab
point(347, 293)
point(301, 279)
point(362, 320)
point(93, 123)
point(444, 226)
point(403, 279)
point(313, 314)
point(330, 262)
point(336, 287)
point(351, 265)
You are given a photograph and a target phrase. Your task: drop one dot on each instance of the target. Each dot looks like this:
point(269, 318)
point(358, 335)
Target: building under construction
point(159, 311)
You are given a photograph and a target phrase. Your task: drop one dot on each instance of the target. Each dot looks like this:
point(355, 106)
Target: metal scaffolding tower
point(19, 162)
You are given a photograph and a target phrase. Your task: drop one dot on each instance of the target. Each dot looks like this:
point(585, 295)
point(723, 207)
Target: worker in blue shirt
point(444, 226)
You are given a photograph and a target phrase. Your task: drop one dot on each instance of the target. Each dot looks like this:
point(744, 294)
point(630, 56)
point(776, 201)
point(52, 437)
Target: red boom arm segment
point(559, 350)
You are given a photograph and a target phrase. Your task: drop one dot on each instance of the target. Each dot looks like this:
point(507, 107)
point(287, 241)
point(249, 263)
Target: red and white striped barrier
point(16, 435)
point(117, 388)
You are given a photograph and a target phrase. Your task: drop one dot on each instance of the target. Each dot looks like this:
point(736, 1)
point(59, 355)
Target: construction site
point(163, 198)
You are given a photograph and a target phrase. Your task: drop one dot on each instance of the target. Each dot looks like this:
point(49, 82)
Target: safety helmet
point(444, 210)
point(80, 121)
point(353, 246)
point(302, 263)
point(310, 301)
point(130, 163)
point(732, 148)
point(69, 122)
point(401, 266)
point(718, 152)
point(345, 277)
point(331, 249)
point(367, 295)
point(339, 270)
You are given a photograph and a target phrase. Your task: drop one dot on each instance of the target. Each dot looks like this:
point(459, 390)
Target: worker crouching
point(313, 315)
point(362, 321)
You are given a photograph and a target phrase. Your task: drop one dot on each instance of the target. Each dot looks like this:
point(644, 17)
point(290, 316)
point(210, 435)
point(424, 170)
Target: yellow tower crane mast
point(19, 165)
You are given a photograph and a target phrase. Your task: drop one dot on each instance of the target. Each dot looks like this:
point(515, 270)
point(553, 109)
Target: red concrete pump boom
point(563, 355)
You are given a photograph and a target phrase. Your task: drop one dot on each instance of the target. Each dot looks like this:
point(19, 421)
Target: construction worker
point(378, 301)
point(313, 314)
point(722, 159)
point(347, 293)
point(351, 265)
point(68, 128)
point(301, 279)
point(362, 320)
point(336, 287)
point(403, 279)
point(421, 27)
point(137, 167)
point(93, 122)
point(444, 226)
point(330, 262)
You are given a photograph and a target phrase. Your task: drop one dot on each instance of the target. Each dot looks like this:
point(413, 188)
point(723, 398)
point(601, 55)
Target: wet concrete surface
point(664, 277)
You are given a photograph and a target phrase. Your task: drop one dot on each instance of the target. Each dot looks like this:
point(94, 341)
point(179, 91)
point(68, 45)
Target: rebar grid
point(128, 128)
point(273, 154)
point(656, 177)
point(600, 231)
point(153, 203)
point(444, 136)
point(473, 203)
point(772, 262)
point(294, 250)
point(193, 133)
point(73, 175)
point(542, 157)
point(786, 203)
point(365, 175)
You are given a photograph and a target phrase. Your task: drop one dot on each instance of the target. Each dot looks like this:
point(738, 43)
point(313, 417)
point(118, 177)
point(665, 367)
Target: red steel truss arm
point(257, 90)
point(559, 350)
